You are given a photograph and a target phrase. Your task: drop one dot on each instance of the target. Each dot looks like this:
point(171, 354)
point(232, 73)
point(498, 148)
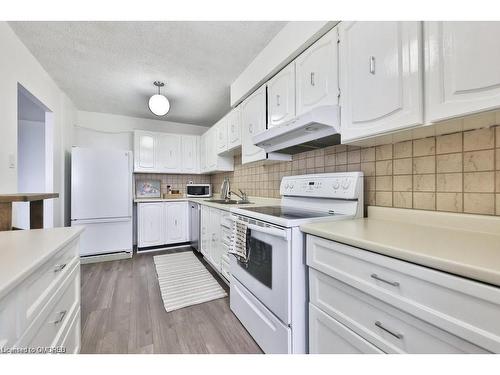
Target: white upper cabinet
point(210, 160)
point(462, 73)
point(253, 115)
point(380, 77)
point(166, 153)
point(203, 153)
point(221, 131)
point(211, 146)
point(189, 154)
point(316, 74)
point(145, 151)
point(281, 97)
point(169, 149)
point(234, 128)
point(176, 220)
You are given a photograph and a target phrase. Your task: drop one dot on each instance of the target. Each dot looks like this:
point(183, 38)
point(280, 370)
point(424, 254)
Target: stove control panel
point(344, 185)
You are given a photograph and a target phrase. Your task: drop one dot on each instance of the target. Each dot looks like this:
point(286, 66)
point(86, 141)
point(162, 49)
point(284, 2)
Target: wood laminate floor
point(122, 312)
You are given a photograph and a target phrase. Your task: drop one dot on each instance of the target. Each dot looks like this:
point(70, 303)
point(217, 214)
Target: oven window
point(260, 261)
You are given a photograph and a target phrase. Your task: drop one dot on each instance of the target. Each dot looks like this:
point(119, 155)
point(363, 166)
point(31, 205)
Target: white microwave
point(199, 190)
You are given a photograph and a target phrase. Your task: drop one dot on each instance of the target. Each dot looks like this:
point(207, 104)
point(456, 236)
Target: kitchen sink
point(229, 201)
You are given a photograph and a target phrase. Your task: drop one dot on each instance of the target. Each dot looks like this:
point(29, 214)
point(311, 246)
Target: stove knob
point(345, 184)
point(336, 185)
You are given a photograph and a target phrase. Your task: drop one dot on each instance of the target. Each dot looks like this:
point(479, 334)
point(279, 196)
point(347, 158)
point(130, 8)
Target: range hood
point(315, 129)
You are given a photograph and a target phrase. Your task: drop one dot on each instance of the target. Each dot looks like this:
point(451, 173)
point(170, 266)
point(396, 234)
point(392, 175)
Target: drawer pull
point(60, 317)
point(59, 267)
point(399, 336)
point(376, 277)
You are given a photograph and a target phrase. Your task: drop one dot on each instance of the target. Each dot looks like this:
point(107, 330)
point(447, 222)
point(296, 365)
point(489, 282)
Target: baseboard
point(105, 257)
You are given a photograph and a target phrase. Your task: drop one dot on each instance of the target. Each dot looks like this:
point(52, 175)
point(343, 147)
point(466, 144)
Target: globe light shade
point(159, 105)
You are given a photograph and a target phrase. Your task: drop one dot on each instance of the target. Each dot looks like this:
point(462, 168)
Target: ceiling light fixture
point(159, 104)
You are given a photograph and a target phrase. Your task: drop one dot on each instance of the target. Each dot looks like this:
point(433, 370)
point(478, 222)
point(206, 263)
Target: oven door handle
point(272, 231)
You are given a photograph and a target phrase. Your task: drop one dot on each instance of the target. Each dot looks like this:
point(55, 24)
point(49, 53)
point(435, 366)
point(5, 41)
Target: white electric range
point(269, 292)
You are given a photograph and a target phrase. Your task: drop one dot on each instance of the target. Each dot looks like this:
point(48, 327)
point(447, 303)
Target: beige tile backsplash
point(457, 172)
point(176, 181)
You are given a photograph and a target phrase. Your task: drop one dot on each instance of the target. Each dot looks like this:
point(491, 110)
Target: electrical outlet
point(12, 161)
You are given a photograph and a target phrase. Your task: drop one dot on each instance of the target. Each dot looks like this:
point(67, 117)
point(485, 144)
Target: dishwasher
point(194, 223)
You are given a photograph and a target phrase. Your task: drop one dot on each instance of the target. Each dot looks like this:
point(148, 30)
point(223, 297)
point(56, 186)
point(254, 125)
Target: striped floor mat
point(184, 281)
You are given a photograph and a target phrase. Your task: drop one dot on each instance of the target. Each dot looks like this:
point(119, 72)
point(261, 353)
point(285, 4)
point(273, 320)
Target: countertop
point(256, 202)
point(461, 244)
point(21, 251)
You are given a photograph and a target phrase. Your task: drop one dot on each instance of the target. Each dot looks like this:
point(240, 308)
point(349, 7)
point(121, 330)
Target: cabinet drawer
point(328, 336)
point(460, 306)
point(70, 340)
point(39, 286)
point(50, 331)
point(9, 320)
point(386, 327)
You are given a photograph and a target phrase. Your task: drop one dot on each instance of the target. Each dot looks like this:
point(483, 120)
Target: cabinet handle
point(60, 317)
point(312, 79)
point(372, 64)
point(250, 128)
point(175, 222)
point(399, 336)
point(376, 277)
point(277, 100)
point(59, 267)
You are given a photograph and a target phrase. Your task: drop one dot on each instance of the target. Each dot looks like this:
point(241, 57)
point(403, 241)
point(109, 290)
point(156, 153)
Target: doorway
point(35, 156)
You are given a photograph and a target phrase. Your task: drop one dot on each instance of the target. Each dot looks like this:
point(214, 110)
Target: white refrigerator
point(101, 199)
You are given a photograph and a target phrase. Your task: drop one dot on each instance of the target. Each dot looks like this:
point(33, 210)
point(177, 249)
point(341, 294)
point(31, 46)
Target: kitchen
point(334, 188)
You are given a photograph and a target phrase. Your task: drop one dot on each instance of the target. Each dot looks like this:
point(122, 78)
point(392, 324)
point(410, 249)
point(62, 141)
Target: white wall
point(293, 39)
point(107, 130)
point(17, 65)
point(31, 166)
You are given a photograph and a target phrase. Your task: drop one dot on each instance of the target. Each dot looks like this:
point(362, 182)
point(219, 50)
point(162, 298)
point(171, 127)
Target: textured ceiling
point(110, 66)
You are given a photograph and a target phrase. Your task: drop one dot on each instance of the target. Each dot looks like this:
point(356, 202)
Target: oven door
point(266, 274)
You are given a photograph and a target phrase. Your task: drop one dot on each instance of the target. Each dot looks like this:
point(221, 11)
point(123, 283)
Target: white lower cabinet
point(150, 224)
point(176, 222)
point(215, 237)
point(162, 223)
point(42, 313)
point(396, 306)
point(328, 336)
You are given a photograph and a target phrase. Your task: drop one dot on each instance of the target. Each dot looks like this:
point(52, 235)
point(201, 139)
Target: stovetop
point(290, 213)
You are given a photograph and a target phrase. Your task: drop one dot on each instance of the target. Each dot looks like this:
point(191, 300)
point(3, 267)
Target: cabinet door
point(216, 248)
point(328, 336)
point(203, 153)
point(150, 224)
point(169, 146)
point(462, 72)
point(205, 231)
point(253, 122)
point(176, 214)
point(234, 128)
point(221, 132)
point(281, 97)
point(317, 81)
point(144, 151)
point(189, 154)
point(381, 77)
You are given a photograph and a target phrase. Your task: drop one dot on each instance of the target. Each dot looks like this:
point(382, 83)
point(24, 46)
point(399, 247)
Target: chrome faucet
point(243, 197)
